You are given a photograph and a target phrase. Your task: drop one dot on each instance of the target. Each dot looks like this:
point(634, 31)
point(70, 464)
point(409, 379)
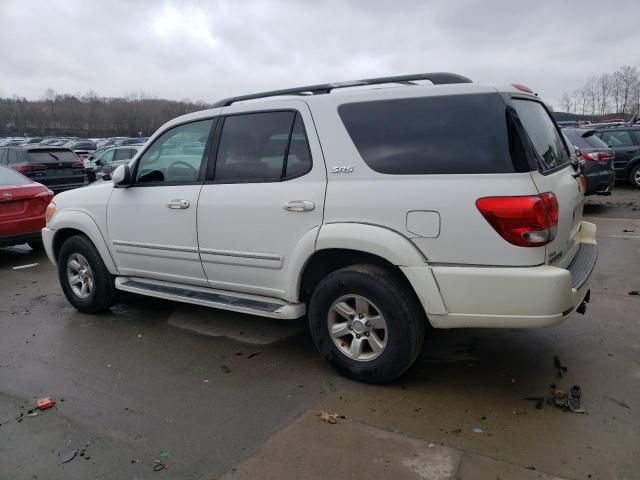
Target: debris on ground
point(571, 401)
point(478, 430)
point(251, 355)
point(557, 364)
point(164, 454)
point(70, 456)
point(158, 467)
point(634, 292)
point(457, 430)
point(32, 413)
point(44, 403)
point(628, 230)
point(20, 267)
point(539, 401)
point(331, 418)
point(225, 369)
point(620, 403)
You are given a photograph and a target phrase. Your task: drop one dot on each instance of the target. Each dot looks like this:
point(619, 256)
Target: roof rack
point(437, 78)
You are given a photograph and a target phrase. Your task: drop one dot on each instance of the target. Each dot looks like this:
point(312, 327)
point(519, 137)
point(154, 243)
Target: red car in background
point(23, 204)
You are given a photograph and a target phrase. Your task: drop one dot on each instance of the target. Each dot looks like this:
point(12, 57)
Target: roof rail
point(437, 78)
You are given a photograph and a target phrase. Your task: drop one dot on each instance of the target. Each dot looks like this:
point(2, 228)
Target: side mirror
point(98, 162)
point(121, 176)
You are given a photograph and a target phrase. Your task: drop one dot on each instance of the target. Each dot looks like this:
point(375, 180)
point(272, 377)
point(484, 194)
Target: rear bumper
point(519, 297)
point(600, 178)
point(19, 239)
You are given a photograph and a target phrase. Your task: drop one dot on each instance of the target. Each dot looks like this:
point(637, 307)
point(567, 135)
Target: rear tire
point(85, 280)
point(634, 176)
point(373, 307)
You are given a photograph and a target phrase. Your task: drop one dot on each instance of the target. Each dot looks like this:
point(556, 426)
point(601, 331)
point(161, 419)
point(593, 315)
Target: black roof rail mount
point(437, 78)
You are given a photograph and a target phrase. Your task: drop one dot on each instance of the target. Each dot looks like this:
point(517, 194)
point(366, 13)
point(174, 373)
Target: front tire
point(85, 280)
point(367, 322)
point(634, 176)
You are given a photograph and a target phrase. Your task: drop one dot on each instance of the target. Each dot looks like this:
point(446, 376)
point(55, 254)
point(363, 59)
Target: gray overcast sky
point(204, 50)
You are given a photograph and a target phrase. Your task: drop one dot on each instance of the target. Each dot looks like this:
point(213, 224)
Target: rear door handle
point(178, 204)
point(299, 205)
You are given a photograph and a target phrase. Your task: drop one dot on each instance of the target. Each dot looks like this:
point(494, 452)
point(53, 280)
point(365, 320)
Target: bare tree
point(591, 94)
point(565, 102)
point(630, 79)
point(604, 91)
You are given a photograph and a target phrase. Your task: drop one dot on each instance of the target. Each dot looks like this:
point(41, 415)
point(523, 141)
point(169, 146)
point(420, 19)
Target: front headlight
point(51, 210)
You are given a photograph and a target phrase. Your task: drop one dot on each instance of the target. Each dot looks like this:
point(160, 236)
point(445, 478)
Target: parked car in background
point(374, 212)
point(101, 167)
point(6, 142)
point(109, 142)
point(23, 204)
point(598, 160)
point(131, 141)
point(55, 167)
point(625, 141)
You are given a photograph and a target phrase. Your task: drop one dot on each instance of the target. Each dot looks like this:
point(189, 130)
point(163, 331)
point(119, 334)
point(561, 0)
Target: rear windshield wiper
point(53, 156)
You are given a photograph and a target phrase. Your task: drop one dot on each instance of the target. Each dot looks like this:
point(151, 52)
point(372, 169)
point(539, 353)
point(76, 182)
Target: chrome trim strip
point(232, 253)
point(152, 246)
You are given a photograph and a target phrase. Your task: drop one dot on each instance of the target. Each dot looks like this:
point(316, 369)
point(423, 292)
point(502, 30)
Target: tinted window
point(299, 156)
point(547, 142)
point(124, 154)
point(432, 135)
point(584, 138)
point(175, 156)
point(620, 138)
point(635, 134)
point(11, 177)
point(3, 156)
point(12, 156)
point(253, 146)
point(52, 156)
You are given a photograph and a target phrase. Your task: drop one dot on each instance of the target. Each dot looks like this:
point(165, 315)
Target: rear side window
point(126, 154)
point(620, 138)
point(11, 177)
point(549, 147)
point(431, 135)
point(52, 156)
point(264, 146)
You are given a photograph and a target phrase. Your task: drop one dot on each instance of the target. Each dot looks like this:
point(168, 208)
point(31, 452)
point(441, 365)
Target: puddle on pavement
point(243, 328)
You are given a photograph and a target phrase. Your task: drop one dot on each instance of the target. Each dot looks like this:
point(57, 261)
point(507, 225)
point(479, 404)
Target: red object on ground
point(23, 203)
point(44, 403)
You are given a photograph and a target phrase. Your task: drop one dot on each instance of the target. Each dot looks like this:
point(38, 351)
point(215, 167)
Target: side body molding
point(391, 246)
point(83, 222)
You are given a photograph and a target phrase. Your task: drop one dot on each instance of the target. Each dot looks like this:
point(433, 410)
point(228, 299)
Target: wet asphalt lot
point(208, 394)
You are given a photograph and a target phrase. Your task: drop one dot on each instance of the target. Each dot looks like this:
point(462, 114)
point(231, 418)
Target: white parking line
point(635, 237)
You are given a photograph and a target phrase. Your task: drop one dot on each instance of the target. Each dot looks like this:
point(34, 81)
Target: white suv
point(375, 207)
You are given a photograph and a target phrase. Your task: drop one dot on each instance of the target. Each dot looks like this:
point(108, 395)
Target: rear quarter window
point(547, 143)
point(453, 134)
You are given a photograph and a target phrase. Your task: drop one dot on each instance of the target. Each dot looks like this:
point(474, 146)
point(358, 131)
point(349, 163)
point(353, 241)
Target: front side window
point(175, 156)
point(620, 138)
point(106, 157)
point(124, 154)
point(545, 139)
point(262, 147)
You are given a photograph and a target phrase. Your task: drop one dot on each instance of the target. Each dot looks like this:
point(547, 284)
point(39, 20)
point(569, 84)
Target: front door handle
point(178, 204)
point(299, 205)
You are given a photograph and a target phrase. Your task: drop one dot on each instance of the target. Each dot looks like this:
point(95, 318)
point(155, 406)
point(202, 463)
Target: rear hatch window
point(585, 139)
point(551, 150)
point(451, 134)
point(64, 157)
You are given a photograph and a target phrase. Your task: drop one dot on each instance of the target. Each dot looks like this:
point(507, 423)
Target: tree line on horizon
point(89, 115)
point(616, 93)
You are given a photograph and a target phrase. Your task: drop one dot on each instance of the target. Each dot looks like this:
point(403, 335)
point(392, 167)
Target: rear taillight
point(530, 221)
point(46, 196)
point(597, 156)
point(78, 165)
point(24, 168)
point(37, 166)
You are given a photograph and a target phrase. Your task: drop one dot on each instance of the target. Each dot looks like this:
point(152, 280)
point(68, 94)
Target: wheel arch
point(341, 245)
point(69, 223)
